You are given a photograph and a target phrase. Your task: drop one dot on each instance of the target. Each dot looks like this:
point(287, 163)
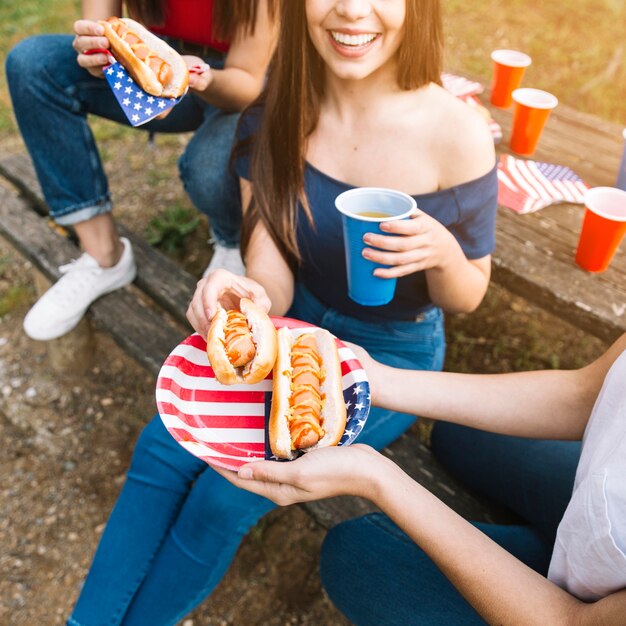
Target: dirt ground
point(67, 440)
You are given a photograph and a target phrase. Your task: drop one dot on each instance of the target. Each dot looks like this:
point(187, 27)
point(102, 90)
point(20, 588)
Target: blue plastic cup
point(362, 210)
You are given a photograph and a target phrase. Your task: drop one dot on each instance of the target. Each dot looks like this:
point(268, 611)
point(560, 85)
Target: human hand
point(90, 36)
point(319, 474)
point(200, 74)
point(423, 243)
point(226, 289)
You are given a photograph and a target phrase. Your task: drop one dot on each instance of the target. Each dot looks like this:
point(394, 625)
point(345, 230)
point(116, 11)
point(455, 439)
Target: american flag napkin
point(467, 90)
point(140, 107)
point(527, 186)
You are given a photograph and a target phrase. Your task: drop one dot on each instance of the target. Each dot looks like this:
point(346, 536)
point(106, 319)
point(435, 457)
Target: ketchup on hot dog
point(305, 401)
point(238, 343)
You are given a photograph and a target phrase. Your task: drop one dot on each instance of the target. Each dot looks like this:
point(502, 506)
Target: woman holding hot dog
point(55, 84)
point(353, 99)
point(419, 562)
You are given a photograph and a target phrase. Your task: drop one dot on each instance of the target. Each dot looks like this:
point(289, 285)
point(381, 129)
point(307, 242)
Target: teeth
point(353, 40)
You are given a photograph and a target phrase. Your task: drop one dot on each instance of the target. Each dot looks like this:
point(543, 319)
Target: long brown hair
point(230, 17)
point(291, 105)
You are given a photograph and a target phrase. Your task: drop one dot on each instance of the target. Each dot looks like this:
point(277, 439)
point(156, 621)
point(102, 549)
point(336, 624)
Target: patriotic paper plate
point(226, 425)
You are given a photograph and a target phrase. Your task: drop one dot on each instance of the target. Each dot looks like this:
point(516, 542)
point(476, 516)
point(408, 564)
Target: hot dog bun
point(333, 407)
point(172, 84)
point(263, 337)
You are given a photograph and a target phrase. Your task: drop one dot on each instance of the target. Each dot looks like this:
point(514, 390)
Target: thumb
point(265, 471)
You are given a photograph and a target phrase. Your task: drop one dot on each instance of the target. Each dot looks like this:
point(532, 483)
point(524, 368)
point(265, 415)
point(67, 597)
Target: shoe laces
point(84, 262)
point(77, 277)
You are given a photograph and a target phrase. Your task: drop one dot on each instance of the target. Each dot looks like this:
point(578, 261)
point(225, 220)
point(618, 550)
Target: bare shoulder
point(464, 143)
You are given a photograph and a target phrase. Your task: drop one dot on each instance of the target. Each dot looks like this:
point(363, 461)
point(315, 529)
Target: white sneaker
point(65, 303)
point(226, 259)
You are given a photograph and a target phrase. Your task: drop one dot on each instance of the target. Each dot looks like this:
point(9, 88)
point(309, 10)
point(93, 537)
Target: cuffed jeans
point(177, 524)
point(376, 575)
point(52, 96)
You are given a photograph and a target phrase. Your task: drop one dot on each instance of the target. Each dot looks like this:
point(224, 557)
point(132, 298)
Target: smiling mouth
point(353, 41)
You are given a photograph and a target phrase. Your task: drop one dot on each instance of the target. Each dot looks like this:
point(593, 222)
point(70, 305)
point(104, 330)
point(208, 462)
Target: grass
point(12, 298)
point(19, 19)
point(577, 47)
point(169, 230)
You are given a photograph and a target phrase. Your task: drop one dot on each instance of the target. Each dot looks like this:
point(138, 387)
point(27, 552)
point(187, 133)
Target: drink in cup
point(604, 226)
point(621, 173)
point(508, 69)
point(362, 211)
point(532, 108)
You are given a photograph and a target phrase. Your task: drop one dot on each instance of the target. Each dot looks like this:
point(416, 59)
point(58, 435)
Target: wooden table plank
point(535, 252)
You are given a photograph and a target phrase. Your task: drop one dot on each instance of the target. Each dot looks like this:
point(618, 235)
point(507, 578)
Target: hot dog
point(308, 409)
point(241, 344)
point(156, 67)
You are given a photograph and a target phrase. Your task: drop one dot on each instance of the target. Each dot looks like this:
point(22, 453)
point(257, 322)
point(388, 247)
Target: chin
point(352, 71)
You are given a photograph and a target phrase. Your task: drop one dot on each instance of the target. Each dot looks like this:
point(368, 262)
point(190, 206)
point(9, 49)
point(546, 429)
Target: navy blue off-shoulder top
point(467, 210)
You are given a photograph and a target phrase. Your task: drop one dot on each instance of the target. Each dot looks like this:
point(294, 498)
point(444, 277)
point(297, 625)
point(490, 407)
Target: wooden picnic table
point(534, 256)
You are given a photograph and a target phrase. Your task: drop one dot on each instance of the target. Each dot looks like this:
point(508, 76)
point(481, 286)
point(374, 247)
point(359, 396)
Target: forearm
point(100, 9)
point(459, 286)
point(243, 76)
point(501, 588)
point(279, 292)
point(231, 89)
point(552, 404)
point(266, 266)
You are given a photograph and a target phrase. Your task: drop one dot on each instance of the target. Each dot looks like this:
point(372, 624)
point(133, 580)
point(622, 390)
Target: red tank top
point(190, 20)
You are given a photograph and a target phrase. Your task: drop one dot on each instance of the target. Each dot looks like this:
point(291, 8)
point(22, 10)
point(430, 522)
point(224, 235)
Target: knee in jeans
point(200, 173)
point(24, 62)
point(184, 170)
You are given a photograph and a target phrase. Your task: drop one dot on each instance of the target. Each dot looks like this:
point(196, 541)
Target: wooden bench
point(533, 258)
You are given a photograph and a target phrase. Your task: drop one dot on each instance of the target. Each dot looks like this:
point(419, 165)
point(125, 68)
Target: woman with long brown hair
point(353, 98)
point(54, 85)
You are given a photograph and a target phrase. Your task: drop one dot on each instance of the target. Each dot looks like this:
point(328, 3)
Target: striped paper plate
point(226, 425)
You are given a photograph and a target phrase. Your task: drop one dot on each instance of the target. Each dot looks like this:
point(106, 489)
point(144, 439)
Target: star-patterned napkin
point(140, 107)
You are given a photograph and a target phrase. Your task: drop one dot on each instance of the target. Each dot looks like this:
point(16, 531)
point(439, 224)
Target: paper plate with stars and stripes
point(226, 425)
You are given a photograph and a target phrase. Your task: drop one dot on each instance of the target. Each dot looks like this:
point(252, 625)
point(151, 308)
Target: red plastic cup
point(604, 227)
point(508, 70)
point(532, 108)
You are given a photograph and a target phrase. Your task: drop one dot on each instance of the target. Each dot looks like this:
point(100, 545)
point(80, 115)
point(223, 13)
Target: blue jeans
point(397, 583)
point(52, 96)
point(177, 524)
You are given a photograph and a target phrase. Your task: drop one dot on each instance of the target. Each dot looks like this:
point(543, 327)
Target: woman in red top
point(54, 85)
